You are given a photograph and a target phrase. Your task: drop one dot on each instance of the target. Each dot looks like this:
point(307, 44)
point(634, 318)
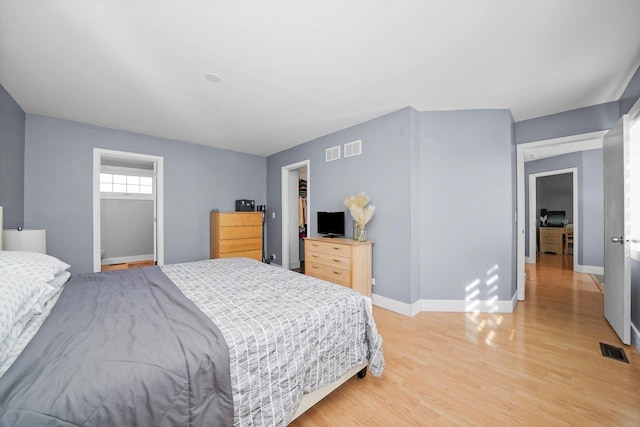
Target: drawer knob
point(336, 260)
point(337, 272)
point(337, 248)
point(315, 256)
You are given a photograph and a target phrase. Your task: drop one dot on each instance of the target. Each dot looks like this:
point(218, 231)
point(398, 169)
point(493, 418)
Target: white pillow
point(19, 295)
point(42, 267)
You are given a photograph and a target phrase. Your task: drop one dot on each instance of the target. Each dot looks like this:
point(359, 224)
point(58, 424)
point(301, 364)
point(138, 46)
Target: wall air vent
point(353, 148)
point(332, 153)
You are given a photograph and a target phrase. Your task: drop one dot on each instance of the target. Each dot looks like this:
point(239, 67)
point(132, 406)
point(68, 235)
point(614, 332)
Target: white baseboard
point(635, 337)
point(454, 306)
point(396, 306)
point(590, 269)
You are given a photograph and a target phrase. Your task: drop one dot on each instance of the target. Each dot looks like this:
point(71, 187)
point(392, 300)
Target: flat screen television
point(331, 224)
point(555, 219)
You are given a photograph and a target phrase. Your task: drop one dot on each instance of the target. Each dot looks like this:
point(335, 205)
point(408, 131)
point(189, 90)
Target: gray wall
point(574, 122)
point(382, 171)
point(591, 204)
point(631, 93)
point(58, 187)
point(422, 229)
point(126, 227)
point(467, 203)
point(555, 193)
point(12, 120)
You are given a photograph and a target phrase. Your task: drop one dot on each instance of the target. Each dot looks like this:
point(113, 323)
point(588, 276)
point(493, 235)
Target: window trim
point(119, 170)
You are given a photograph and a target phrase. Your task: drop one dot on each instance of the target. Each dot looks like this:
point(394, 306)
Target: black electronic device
point(245, 205)
point(555, 219)
point(330, 224)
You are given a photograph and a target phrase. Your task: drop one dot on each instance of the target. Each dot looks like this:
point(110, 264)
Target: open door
point(127, 208)
point(617, 250)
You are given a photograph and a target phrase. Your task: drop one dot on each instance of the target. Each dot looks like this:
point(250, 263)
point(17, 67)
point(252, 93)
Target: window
point(130, 184)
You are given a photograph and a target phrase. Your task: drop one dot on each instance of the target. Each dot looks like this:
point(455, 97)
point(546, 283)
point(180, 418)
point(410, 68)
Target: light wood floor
point(539, 366)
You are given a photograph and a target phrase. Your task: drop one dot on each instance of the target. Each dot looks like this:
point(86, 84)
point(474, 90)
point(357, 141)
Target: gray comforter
point(118, 351)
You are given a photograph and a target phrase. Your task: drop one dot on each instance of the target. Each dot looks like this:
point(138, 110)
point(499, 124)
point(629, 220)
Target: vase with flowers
point(361, 212)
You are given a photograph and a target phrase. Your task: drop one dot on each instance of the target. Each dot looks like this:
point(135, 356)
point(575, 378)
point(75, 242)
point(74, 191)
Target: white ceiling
point(296, 70)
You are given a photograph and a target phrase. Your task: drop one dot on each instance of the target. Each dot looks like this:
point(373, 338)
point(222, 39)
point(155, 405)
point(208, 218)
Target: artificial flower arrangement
point(361, 212)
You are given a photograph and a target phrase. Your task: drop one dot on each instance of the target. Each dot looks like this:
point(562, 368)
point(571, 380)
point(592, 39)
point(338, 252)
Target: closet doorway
point(296, 221)
point(127, 210)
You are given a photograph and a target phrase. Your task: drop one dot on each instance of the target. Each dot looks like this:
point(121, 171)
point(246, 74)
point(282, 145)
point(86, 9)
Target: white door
point(617, 251)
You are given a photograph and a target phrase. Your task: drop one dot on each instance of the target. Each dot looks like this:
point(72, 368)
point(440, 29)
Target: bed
point(215, 342)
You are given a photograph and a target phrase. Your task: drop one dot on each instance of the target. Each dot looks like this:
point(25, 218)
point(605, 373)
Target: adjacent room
point(319, 213)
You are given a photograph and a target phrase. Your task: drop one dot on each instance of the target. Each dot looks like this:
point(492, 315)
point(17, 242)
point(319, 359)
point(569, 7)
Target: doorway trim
point(534, 151)
point(533, 216)
point(158, 161)
point(284, 206)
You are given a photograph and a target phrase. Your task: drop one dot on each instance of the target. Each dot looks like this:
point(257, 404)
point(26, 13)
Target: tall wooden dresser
point(338, 260)
point(236, 234)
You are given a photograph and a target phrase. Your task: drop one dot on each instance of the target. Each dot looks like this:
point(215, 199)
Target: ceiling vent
point(353, 148)
point(332, 153)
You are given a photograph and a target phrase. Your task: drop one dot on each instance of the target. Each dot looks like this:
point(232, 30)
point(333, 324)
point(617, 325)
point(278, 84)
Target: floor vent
point(613, 352)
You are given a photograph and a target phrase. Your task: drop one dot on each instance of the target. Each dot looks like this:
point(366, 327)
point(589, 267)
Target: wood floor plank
point(540, 365)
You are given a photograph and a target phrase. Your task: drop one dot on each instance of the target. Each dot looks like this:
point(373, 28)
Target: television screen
point(331, 223)
point(555, 218)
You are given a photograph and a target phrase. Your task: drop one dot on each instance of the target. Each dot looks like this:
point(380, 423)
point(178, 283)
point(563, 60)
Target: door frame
point(533, 216)
point(534, 151)
point(158, 161)
point(286, 213)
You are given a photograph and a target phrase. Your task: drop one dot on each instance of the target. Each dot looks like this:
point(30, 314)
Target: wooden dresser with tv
point(339, 260)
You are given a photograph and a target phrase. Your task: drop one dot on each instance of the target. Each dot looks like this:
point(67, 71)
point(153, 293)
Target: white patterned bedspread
point(288, 334)
point(29, 331)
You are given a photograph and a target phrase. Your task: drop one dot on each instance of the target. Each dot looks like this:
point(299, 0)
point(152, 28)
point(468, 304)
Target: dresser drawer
point(551, 239)
point(328, 248)
point(237, 219)
point(255, 254)
point(227, 233)
point(326, 272)
point(329, 259)
point(238, 245)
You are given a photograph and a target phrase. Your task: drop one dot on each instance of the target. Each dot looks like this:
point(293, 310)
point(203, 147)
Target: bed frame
point(310, 399)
